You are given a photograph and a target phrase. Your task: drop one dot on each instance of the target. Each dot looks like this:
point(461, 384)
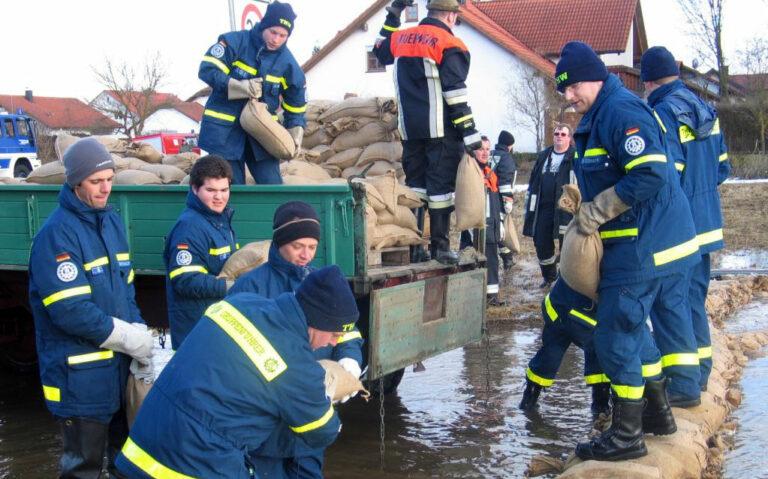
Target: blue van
point(18, 146)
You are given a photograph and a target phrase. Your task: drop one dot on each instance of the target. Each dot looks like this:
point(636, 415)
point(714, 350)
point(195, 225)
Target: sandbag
point(319, 137)
point(333, 171)
point(64, 141)
point(403, 217)
point(373, 197)
point(135, 392)
point(510, 238)
point(245, 259)
point(470, 195)
point(322, 152)
point(390, 151)
point(315, 108)
point(299, 180)
point(136, 177)
point(379, 168)
point(166, 173)
point(393, 193)
point(257, 121)
point(371, 133)
point(359, 107)
point(386, 236)
point(135, 163)
point(184, 181)
point(347, 123)
point(371, 219)
point(345, 159)
point(182, 161)
point(48, 174)
point(340, 383)
point(312, 126)
point(303, 169)
point(580, 255)
point(11, 181)
point(121, 163)
point(145, 152)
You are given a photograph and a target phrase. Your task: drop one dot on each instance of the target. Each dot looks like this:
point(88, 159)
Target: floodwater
point(458, 418)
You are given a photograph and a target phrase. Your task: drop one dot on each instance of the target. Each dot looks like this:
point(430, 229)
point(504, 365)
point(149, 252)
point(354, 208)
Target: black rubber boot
point(530, 396)
point(439, 225)
point(84, 448)
point(419, 253)
point(601, 399)
point(549, 274)
point(623, 440)
point(676, 400)
point(657, 416)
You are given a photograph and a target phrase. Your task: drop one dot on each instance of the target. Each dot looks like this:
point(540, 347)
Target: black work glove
point(398, 6)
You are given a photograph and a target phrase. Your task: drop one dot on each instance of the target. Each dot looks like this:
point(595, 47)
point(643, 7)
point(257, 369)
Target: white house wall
point(170, 120)
point(625, 58)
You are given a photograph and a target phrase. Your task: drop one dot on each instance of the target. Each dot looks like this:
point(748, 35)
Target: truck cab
point(171, 143)
point(18, 145)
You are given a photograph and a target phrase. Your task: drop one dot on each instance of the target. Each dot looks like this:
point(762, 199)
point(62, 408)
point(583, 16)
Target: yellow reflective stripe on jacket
point(679, 166)
point(130, 276)
point(710, 237)
point(680, 359)
point(583, 317)
point(716, 127)
point(705, 352)
point(123, 256)
point(388, 28)
point(676, 252)
point(628, 392)
point(723, 157)
point(661, 123)
point(619, 233)
point(141, 459)
point(220, 251)
point(51, 393)
point(294, 109)
point(316, 424)
point(645, 159)
point(219, 115)
point(274, 79)
point(686, 134)
point(258, 349)
point(66, 293)
point(349, 337)
point(543, 382)
point(223, 67)
point(596, 379)
point(463, 119)
point(187, 269)
point(90, 357)
point(550, 309)
point(104, 260)
point(595, 152)
point(245, 67)
point(651, 370)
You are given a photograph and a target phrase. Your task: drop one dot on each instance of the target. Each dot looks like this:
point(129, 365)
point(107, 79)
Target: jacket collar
point(290, 307)
point(658, 94)
point(436, 23)
point(69, 201)
point(194, 203)
point(277, 261)
point(687, 107)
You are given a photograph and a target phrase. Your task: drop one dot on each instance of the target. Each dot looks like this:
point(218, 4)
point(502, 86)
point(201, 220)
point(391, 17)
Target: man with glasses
point(544, 222)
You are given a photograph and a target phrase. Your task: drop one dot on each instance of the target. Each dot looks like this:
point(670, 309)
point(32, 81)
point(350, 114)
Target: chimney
point(28, 95)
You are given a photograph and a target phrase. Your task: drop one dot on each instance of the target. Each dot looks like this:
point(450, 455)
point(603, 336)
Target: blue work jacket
point(697, 146)
point(197, 247)
point(245, 370)
point(619, 143)
point(80, 277)
point(243, 55)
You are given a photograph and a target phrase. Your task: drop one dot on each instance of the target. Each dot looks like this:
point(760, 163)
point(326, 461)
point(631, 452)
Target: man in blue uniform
point(87, 324)
point(296, 234)
point(198, 246)
point(249, 64)
point(696, 145)
point(632, 197)
point(246, 370)
point(436, 122)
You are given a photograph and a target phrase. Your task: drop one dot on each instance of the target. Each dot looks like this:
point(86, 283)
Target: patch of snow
point(746, 182)
point(744, 259)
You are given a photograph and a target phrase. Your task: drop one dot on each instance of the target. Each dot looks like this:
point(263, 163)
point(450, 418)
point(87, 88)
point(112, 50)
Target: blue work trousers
point(697, 296)
point(265, 169)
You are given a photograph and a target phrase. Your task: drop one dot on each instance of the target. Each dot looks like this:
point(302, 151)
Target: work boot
point(493, 300)
point(679, 400)
point(508, 260)
point(84, 444)
point(439, 225)
point(549, 274)
point(419, 253)
point(657, 416)
point(530, 396)
point(601, 399)
point(623, 440)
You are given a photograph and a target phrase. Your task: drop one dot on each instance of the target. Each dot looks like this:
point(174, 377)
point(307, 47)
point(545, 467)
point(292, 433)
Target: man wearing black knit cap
point(295, 238)
point(504, 165)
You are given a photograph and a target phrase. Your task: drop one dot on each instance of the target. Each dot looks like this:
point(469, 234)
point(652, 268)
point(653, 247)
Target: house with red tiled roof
point(59, 115)
point(162, 112)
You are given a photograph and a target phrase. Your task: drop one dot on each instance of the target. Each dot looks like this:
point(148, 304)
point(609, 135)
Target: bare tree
point(134, 92)
point(530, 99)
point(705, 18)
point(754, 60)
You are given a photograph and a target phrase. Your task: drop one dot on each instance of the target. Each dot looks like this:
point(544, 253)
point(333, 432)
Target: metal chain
point(382, 446)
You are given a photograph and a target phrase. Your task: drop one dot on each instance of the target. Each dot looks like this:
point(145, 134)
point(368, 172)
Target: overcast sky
point(51, 46)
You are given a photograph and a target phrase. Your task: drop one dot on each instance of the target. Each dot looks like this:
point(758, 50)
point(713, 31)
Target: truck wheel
point(391, 381)
point(22, 169)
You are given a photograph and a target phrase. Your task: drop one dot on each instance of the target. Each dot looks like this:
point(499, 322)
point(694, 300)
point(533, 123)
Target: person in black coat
point(544, 222)
point(504, 165)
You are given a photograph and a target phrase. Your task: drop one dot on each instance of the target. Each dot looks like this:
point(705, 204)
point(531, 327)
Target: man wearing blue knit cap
point(697, 147)
point(633, 200)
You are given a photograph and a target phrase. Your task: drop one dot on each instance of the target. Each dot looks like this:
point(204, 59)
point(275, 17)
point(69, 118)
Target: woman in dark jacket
point(543, 220)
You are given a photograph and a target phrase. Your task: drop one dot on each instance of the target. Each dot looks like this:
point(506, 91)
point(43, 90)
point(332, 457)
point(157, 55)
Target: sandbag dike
point(697, 449)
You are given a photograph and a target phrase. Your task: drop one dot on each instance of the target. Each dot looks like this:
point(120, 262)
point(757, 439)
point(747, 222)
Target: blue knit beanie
point(658, 62)
point(327, 300)
point(578, 62)
point(278, 15)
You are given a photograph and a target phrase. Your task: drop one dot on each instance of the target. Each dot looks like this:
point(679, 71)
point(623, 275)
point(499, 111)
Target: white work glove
point(351, 366)
point(132, 339)
point(297, 133)
point(508, 206)
point(244, 89)
point(142, 372)
point(604, 207)
point(230, 283)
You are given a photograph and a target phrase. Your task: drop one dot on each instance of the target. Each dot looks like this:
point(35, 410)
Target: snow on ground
point(744, 259)
point(744, 182)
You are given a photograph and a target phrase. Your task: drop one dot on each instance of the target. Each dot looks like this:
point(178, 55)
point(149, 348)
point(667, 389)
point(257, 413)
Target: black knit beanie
point(506, 138)
point(658, 62)
point(294, 220)
point(327, 300)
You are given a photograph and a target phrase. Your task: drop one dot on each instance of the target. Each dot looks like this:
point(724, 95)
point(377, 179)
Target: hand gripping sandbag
point(510, 239)
point(245, 259)
point(470, 195)
point(257, 121)
point(580, 255)
point(339, 383)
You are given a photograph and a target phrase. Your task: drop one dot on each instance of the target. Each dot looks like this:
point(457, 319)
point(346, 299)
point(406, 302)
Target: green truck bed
point(408, 313)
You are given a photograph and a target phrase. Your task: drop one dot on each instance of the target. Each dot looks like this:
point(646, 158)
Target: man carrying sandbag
point(296, 233)
point(504, 165)
point(633, 198)
point(255, 64)
point(244, 372)
point(435, 129)
point(88, 328)
point(198, 246)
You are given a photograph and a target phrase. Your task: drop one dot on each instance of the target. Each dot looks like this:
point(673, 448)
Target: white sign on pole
point(248, 13)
